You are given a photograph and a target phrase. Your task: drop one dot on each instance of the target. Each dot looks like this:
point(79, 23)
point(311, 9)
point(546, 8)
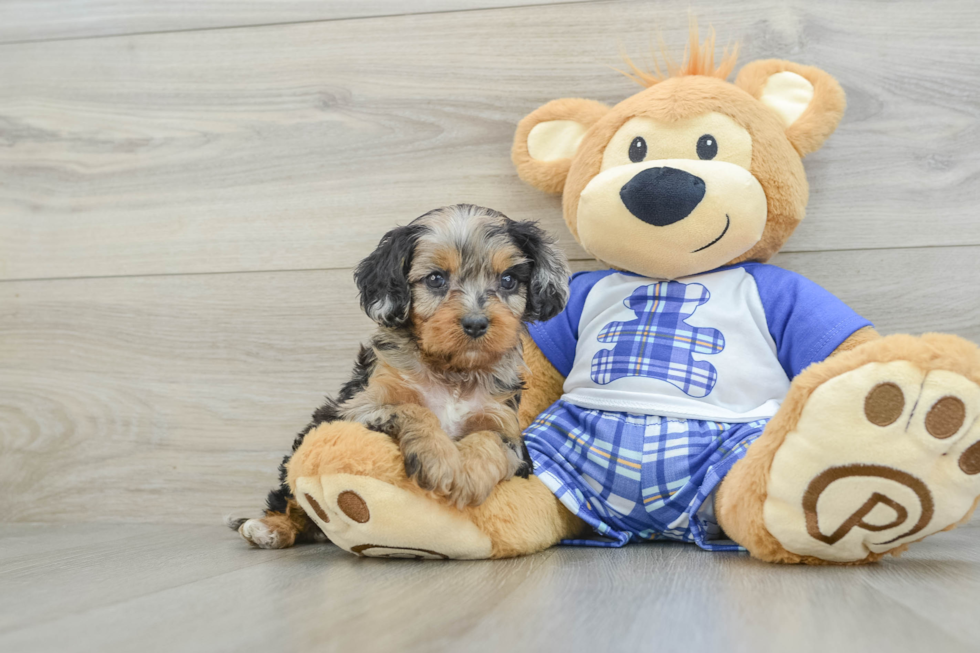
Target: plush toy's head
point(690, 174)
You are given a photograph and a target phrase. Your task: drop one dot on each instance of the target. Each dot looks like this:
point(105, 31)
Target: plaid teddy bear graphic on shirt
point(659, 343)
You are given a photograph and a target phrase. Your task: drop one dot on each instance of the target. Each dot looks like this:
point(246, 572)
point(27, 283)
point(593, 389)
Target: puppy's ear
point(382, 278)
point(809, 101)
point(547, 138)
point(547, 290)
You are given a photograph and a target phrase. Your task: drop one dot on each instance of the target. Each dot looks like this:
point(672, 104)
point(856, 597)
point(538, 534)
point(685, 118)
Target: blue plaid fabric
point(637, 477)
point(659, 343)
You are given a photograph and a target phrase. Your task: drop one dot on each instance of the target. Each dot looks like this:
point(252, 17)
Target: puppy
point(450, 293)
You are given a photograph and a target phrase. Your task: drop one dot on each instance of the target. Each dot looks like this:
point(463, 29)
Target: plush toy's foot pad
point(883, 455)
point(372, 518)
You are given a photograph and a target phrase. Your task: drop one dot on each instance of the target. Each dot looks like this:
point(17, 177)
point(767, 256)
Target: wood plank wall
point(183, 194)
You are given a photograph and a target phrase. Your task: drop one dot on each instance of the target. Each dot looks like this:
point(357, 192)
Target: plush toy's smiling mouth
point(728, 223)
point(731, 215)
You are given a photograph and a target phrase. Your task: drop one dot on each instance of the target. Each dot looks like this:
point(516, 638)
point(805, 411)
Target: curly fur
point(422, 355)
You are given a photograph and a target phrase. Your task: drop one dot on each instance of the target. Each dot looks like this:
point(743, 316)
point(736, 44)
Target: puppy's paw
point(274, 531)
point(260, 533)
point(472, 487)
point(433, 462)
point(487, 461)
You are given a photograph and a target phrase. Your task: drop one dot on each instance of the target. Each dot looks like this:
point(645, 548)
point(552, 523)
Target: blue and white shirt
point(720, 346)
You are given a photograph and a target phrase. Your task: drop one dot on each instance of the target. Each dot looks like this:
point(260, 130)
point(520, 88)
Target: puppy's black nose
point(662, 196)
point(474, 325)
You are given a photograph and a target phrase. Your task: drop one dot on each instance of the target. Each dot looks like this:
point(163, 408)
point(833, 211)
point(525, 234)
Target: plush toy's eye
point(435, 280)
point(707, 147)
point(508, 282)
point(638, 150)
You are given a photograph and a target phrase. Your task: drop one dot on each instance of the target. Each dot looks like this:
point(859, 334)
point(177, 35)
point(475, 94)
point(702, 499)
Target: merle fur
point(382, 281)
point(382, 278)
point(545, 299)
point(328, 412)
point(527, 465)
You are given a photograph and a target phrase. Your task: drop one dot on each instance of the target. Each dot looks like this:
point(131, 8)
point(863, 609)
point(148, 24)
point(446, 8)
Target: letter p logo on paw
point(891, 513)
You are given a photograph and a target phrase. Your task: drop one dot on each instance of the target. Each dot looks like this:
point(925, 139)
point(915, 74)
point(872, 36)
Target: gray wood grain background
point(183, 193)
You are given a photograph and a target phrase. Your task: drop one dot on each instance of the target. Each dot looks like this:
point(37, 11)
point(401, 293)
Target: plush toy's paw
point(372, 518)
point(881, 456)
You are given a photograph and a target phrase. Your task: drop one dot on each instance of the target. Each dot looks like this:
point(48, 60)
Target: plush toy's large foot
point(872, 450)
point(352, 483)
point(372, 518)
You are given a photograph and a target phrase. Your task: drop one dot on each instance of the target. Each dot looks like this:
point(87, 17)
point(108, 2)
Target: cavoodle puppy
point(442, 375)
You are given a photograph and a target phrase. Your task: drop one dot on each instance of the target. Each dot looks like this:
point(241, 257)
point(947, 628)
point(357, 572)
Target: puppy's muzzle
point(662, 196)
point(474, 325)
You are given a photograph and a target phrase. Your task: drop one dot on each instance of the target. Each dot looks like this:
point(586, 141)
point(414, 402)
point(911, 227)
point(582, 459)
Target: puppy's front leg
point(485, 462)
point(493, 452)
point(431, 457)
point(279, 530)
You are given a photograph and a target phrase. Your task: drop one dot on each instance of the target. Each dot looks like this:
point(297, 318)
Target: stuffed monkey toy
point(690, 391)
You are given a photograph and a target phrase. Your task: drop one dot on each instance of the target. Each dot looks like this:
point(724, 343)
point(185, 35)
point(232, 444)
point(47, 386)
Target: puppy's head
point(463, 278)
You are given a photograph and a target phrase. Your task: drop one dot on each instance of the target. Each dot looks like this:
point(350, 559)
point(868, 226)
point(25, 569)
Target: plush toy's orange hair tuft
point(699, 59)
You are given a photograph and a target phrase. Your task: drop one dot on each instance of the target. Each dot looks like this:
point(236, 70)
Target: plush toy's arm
point(543, 383)
point(858, 338)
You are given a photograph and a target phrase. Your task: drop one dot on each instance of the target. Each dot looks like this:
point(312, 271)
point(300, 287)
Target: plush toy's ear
point(547, 138)
point(809, 101)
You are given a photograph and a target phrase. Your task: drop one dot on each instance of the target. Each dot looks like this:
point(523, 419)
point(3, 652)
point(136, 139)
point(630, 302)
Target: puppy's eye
point(638, 150)
point(436, 280)
point(508, 282)
point(707, 147)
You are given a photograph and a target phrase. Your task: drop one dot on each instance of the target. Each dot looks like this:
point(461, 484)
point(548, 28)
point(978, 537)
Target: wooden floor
point(152, 587)
point(184, 188)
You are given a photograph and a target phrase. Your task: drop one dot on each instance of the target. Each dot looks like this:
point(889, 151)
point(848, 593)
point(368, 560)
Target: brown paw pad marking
point(823, 481)
point(352, 505)
point(970, 460)
point(381, 551)
point(884, 404)
point(316, 508)
point(945, 417)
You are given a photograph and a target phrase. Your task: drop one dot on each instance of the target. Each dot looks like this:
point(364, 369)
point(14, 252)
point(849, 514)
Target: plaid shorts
point(637, 477)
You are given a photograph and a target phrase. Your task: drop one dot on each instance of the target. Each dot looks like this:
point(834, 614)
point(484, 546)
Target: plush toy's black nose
point(474, 325)
point(662, 196)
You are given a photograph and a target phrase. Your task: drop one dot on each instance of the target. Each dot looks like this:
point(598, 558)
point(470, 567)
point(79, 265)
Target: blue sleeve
point(558, 337)
point(806, 322)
